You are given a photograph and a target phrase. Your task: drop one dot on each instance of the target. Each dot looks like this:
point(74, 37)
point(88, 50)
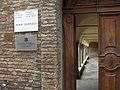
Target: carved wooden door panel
point(109, 52)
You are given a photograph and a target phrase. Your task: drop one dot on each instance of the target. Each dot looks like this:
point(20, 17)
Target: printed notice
point(25, 21)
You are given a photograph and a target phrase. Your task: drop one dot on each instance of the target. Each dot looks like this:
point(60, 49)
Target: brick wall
point(32, 70)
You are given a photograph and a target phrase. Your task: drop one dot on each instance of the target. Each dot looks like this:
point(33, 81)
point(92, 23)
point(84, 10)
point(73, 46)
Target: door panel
point(109, 52)
point(109, 80)
point(109, 34)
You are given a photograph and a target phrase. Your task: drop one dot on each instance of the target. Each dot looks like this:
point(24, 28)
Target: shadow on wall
point(93, 49)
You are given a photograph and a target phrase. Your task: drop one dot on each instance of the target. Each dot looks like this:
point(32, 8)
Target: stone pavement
point(89, 78)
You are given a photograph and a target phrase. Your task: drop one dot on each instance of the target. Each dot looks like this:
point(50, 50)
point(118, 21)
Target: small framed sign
point(25, 21)
point(26, 42)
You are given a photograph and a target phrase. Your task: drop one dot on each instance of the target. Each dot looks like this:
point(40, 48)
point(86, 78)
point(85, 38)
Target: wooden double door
point(109, 50)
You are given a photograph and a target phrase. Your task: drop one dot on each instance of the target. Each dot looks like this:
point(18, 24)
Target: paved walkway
point(89, 79)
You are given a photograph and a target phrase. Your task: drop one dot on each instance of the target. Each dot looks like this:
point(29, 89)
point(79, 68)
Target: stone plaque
point(26, 42)
point(26, 20)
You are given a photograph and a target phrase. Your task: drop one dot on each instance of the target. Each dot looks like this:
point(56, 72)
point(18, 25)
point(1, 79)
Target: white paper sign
point(26, 20)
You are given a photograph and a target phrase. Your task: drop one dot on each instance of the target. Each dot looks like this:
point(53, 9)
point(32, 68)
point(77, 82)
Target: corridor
point(89, 78)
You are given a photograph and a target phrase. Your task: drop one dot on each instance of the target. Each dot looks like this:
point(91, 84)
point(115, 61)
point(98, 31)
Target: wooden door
point(109, 44)
point(109, 52)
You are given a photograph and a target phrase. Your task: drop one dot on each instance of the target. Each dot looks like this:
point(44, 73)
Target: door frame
point(69, 19)
point(73, 59)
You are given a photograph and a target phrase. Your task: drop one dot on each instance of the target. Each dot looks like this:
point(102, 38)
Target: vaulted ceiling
point(87, 28)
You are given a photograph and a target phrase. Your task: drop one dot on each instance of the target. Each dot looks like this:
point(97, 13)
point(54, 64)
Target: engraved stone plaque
point(26, 42)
